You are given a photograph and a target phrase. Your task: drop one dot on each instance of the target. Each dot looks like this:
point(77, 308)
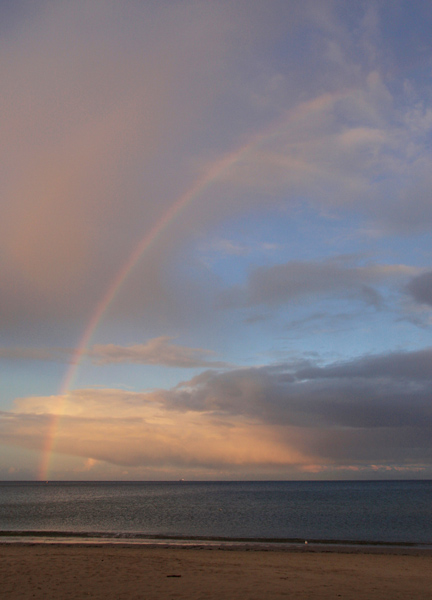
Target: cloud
point(373, 410)
point(157, 351)
point(229, 247)
point(356, 146)
point(293, 280)
point(420, 288)
point(135, 429)
point(371, 392)
point(411, 366)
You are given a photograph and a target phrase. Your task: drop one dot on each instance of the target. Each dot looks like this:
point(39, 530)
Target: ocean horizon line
point(126, 481)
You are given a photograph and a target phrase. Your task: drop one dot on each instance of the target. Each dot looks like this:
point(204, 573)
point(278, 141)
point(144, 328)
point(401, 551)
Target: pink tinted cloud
point(157, 351)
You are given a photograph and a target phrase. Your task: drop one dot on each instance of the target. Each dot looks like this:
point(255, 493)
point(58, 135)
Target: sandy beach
point(54, 571)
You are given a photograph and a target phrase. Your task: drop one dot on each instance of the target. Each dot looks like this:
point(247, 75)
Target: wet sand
point(57, 571)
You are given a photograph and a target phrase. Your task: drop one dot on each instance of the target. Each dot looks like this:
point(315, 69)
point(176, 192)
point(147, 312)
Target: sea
point(272, 512)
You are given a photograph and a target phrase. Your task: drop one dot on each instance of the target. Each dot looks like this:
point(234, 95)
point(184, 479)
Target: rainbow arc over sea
point(215, 172)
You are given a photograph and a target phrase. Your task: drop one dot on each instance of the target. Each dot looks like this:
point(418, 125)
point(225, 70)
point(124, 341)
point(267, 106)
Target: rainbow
point(213, 174)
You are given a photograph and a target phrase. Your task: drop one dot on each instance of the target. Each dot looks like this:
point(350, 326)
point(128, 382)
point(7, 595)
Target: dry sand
point(131, 572)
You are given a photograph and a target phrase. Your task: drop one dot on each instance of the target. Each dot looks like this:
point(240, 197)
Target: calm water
point(391, 511)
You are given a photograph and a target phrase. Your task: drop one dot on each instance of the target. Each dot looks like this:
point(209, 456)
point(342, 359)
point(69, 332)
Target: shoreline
point(226, 545)
point(140, 537)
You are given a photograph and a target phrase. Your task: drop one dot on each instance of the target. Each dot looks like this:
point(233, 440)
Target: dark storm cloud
point(410, 366)
point(375, 408)
point(380, 391)
point(420, 288)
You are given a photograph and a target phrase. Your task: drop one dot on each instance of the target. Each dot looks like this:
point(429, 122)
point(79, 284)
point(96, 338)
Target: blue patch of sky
point(277, 236)
point(335, 330)
point(413, 250)
point(21, 378)
point(130, 377)
point(405, 28)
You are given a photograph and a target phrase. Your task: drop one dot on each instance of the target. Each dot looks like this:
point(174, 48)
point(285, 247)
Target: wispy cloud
point(290, 281)
point(157, 351)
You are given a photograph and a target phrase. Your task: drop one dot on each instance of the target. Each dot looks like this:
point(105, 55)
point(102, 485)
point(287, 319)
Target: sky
point(215, 243)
